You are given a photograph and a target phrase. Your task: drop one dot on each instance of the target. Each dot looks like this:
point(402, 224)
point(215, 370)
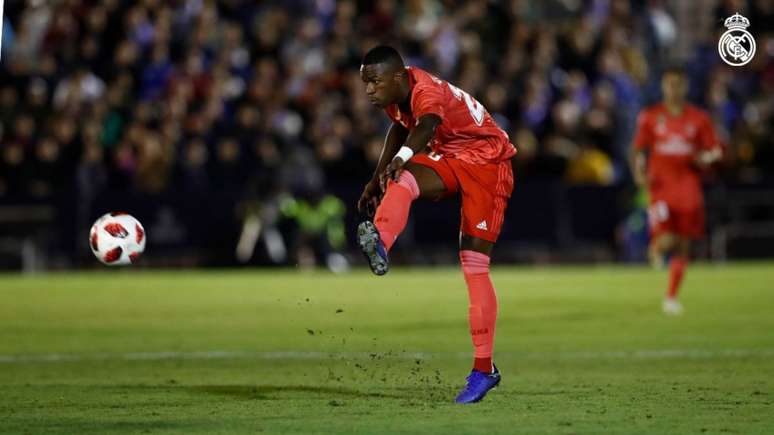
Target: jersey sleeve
point(428, 99)
point(643, 136)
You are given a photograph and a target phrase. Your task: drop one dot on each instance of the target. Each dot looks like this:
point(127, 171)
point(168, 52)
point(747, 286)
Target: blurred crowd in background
point(257, 95)
point(260, 97)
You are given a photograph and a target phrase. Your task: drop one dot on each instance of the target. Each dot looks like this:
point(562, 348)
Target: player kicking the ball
point(441, 143)
point(674, 143)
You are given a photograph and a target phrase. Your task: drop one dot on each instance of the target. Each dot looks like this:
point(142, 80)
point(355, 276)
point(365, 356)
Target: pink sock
point(676, 271)
point(482, 312)
point(392, 213)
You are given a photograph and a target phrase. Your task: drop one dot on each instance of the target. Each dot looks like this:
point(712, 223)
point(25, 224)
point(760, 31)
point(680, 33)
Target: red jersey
point(673, 143)
point(467, 132)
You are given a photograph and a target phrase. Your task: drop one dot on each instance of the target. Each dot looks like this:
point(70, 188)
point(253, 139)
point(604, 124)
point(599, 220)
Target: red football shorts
point(665, 218)
point(485, 190)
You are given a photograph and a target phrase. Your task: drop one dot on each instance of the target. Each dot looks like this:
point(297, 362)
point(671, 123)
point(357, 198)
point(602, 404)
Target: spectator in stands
point(14, 170)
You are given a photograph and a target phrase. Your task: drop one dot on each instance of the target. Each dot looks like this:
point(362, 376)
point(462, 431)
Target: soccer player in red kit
point(674, 143)
point(442, 142)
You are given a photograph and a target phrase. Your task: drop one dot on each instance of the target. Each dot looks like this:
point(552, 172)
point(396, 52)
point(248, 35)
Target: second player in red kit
point(674, 143)
point(442, 142)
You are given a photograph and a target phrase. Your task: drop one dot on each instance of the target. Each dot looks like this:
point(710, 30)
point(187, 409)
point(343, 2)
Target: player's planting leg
point(676, 271)
point(482, 315)
point(677, 265)
point(376, 239)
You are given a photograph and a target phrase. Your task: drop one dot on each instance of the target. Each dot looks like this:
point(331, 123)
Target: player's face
point(674, 87)
point(381, 84)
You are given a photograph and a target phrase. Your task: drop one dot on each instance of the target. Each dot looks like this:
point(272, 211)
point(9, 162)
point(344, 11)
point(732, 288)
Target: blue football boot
point(372, 247)
point(479, 383)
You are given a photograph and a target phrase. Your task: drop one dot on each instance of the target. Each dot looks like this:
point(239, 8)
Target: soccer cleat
point(479, 383)
point(672, 307)
point(372, 247)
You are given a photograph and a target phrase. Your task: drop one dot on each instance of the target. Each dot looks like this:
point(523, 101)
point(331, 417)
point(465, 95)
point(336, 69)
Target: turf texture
point(582, 350)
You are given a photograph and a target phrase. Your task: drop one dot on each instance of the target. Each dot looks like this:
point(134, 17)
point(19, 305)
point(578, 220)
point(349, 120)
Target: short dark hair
point(382, 54)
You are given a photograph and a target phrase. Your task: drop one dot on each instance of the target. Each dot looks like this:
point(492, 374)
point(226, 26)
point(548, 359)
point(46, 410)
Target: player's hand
point(640, 179)
point(705, 159)
point(391, 172)
point(639, 172)
point(369, 200)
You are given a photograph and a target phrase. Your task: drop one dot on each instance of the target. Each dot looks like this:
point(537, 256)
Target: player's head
point(384, 75)
point(674, 84)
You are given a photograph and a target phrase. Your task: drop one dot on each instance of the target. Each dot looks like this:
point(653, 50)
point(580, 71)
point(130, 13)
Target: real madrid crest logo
point(736, 46)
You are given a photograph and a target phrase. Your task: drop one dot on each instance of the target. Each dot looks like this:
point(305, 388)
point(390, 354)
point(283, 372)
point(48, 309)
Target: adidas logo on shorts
point(482, 226)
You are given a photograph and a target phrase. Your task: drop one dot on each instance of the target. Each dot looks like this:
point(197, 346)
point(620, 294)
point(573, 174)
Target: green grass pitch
point(582, 350)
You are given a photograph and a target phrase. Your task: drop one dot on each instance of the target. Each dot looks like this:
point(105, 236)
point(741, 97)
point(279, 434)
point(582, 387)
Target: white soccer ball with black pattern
point(117, 239)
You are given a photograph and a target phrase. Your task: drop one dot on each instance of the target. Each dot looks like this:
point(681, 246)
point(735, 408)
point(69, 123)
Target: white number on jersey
point(477, 110)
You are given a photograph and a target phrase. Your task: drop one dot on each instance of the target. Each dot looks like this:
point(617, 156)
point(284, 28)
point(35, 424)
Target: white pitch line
point(297, 355)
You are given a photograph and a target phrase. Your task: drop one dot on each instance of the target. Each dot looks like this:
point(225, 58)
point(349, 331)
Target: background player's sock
point(482, 312)
point(676, 271)
point(392, 213)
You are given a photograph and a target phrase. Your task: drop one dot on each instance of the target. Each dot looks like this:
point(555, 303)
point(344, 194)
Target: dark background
point(193, 115)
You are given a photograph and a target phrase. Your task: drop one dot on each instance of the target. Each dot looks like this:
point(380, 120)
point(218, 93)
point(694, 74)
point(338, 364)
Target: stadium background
point(238, 132)
point(210, 121)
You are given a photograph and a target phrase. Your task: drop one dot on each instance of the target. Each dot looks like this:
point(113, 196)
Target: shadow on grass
point(265, 392)
point(53, 424)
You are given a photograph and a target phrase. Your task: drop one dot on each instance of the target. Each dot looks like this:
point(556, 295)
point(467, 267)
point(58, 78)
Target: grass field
point(582, 350)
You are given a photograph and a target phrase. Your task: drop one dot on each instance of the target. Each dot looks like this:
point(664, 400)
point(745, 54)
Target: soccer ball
point(117, 239)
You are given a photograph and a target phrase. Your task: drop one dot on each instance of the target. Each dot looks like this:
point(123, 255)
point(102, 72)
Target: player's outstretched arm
point(417, 140)
point(643, 140)
point(706, 158)
point(638, 162)
point(710, 150)
point(396, 137)
point(369, 200)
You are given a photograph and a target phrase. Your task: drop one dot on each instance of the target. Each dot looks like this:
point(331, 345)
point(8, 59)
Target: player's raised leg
point(377, 238)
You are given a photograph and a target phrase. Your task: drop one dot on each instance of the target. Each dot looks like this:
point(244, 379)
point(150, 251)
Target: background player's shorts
point(686, 222)
point(485, 190)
